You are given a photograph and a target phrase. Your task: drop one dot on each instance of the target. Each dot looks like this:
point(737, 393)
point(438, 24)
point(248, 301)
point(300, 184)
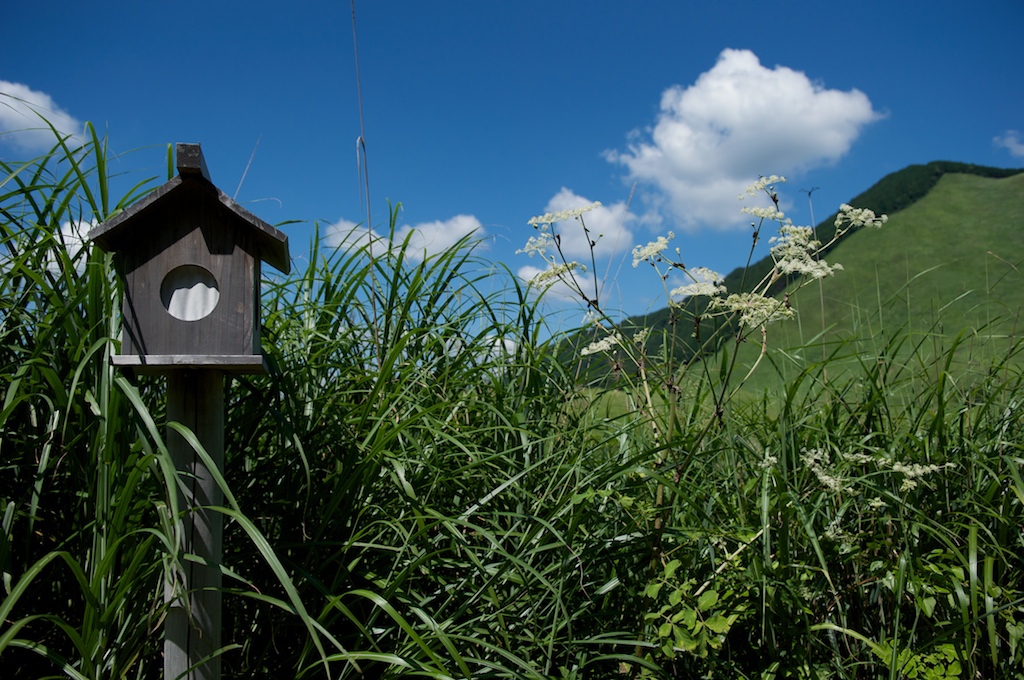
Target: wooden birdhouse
point(190, 260)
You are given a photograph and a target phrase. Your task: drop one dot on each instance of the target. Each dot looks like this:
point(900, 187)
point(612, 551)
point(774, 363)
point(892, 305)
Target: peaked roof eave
point(271, 243)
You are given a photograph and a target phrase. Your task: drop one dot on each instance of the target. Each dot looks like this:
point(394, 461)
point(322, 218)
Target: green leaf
point(690, 618)
point(718, 623)
point(685, 640)
point(707, 600)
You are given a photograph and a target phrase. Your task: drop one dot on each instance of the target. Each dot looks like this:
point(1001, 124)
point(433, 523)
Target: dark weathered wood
point(179, 249)
point(190, 161)
point(165, 363)
point(195, 233)
point(267, 243)
point(193, 626)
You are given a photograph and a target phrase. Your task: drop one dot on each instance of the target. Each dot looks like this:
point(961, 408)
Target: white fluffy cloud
point(739, 120)
point(73, 241)
point(607, 225)
point(1012, 142)
point(349, 235)
point(71, 244)
point(22, 114)
point(609, 230)
point(431, 238)
point(428, 238)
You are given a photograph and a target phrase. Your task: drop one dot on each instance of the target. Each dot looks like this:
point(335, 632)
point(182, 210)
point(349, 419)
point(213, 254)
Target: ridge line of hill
point(894, 192)
point(891, 194)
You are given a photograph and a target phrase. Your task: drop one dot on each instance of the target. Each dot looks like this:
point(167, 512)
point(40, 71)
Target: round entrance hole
point(189, 293)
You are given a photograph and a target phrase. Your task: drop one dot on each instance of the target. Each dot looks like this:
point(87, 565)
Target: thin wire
point(361, 140)
point(364, 175)
point(247, 166)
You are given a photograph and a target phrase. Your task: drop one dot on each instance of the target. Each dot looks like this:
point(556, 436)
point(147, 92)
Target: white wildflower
point(914, 471)
point(641, 336)
point(794, 251)
point(555, 272)
point(769, 462)
point(771, 214)
point(705, 282)
point(858, 217)
point(834, 532)
point(754, 309)
point(791, 239)
point(815, 456)
point(699, 288)
point(762, 184)
point(857, 457)
point(651, 250)
point(537, 245)
point(876, 503)
point(561, 215)
point(601, 345)
point(818, 462)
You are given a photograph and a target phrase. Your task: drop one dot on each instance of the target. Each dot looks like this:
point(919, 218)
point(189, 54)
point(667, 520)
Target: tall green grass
point(423, 485)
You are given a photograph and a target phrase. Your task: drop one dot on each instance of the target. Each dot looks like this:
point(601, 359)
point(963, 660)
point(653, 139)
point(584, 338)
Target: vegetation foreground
point(423, 486)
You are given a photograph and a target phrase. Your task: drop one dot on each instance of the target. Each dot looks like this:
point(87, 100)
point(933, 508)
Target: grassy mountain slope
point(951, 262)
point(892, 195)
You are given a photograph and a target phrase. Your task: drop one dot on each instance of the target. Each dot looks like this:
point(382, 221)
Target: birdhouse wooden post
point(190, 261)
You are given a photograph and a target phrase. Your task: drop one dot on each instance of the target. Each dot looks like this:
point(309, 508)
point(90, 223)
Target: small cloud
point(349, 235)
point(529, 272)
point(737, 121)
point(73, 241)
point(24, 114)
point(607, 225)
point(425, 239)
point(432, 238)
point(70, 245)
point(551, 286)
point(1011, 141)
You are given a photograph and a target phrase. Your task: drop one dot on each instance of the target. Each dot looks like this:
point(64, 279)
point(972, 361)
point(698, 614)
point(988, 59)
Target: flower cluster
point(754, 309)
point(601, 345)
point(762, 184)
point(561, 215)
point(851, 218)
point(794, 251)
point(771, 214)
point(819, 463)
point(650, 251)
point(539, 244)
point(555, 272)
point(704, 282)
point(912, 472)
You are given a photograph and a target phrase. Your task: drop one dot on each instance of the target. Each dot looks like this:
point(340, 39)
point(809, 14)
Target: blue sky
point(480, 115)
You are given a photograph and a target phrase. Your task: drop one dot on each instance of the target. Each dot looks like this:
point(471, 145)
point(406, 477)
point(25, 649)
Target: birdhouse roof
point(271, 244)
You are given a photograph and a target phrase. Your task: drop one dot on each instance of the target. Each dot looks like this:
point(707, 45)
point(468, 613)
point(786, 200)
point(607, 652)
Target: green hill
point(949, 263)
point(890, 195)
point(950, 258)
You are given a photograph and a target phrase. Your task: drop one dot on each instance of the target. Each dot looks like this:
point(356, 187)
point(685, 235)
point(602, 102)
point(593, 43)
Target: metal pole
point(195, 398)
